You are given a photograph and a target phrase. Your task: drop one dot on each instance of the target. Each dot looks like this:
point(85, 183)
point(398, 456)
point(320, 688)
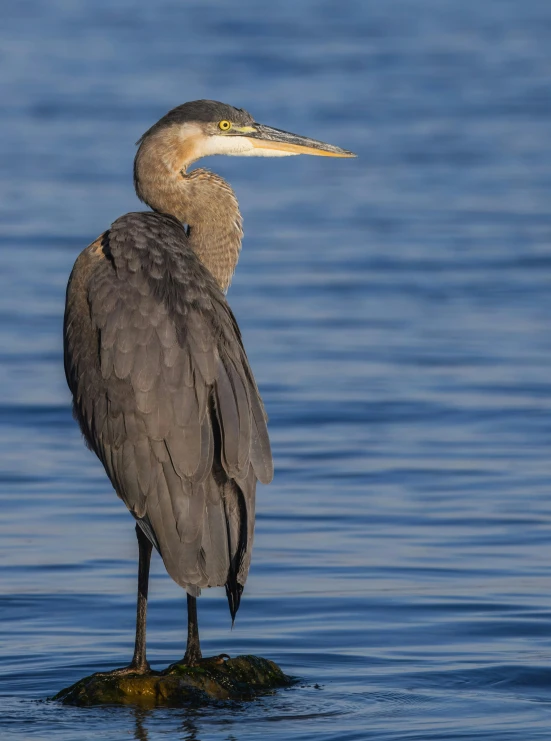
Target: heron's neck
point(211, 211)
point(207, 204)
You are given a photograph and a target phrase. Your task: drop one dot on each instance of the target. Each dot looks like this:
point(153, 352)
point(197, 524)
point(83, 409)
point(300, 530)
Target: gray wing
point(166, 398)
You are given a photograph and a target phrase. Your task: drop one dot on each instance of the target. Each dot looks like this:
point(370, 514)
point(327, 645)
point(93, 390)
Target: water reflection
point(190, 729)
point(140, 731)
point(185, 729)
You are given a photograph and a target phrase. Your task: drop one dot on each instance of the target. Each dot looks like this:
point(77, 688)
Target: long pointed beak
point(265, 137)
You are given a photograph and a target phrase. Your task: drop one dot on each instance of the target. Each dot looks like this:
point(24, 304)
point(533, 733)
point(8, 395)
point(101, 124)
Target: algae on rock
point(241, 678)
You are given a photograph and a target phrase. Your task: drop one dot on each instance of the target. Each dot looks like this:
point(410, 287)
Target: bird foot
point(195, 660)
point(139, 669)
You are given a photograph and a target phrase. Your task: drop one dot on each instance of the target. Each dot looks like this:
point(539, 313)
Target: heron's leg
point(139, 663)
point(193, 649)
point(193, 655)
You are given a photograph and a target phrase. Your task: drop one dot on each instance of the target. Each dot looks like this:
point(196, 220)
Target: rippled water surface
point(396, 310)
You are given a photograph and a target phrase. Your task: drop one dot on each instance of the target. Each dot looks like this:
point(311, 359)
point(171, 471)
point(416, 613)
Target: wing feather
point(165, 396)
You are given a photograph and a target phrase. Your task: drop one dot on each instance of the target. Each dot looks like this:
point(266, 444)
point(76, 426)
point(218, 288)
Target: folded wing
point(165, 396)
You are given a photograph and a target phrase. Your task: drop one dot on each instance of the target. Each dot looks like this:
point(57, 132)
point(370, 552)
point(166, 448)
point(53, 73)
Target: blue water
point(396, 310)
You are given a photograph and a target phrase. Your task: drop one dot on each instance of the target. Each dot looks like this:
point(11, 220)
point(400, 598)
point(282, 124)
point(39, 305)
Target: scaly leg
point(193, 655)
point(139, 663)
point(193, 649)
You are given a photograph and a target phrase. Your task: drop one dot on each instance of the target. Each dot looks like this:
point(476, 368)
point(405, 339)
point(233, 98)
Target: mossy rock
point(241, 678)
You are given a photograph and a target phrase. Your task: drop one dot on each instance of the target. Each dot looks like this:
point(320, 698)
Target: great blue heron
point(161, 385)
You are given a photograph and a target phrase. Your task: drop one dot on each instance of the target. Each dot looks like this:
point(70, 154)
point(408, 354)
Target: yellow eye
point(224, 125)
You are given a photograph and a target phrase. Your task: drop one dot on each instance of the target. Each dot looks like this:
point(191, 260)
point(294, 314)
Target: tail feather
point(236, 526)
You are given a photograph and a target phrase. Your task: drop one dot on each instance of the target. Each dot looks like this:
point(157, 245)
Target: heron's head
point(204, 127)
